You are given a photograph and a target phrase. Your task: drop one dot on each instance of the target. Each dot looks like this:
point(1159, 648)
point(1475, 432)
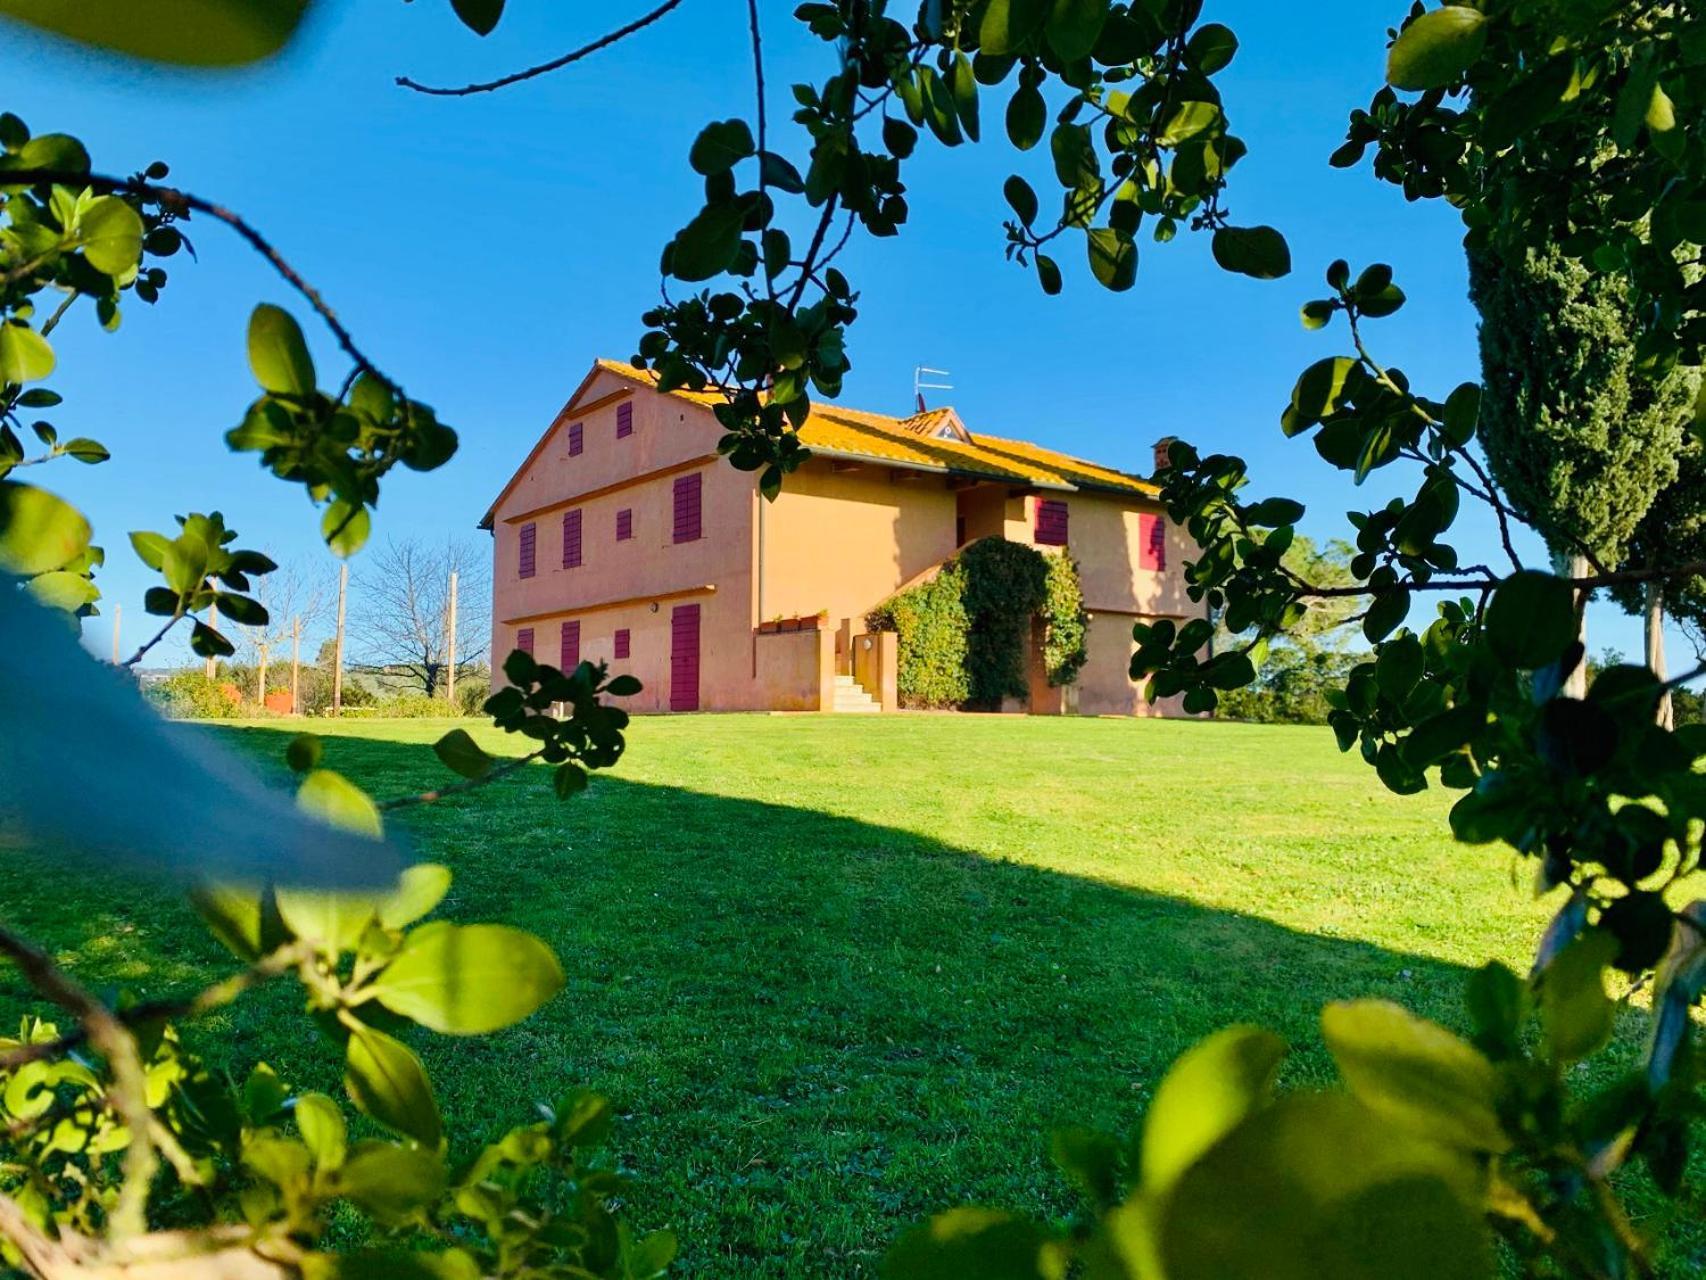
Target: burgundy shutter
point(576, 440)
point(623, 645)
point(1051, 523)
point(1152, 534)
point(687, 508)
point(624, 524)
point(572, 539)
point(571, 652)
point(529, 533)
point(524, 639)
point(624, 419)
point(684, 658)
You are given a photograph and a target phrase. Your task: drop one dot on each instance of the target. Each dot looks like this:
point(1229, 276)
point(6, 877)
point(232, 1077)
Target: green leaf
point(1318, 1185)
point(1318, 391)
point(1462, 412)
point(386, 1081)
point(202, 33)
point(1574, 1008)
point(479, 16)
point(1211, 47)
point(1386, 612)
point(624, 686)
point(1260, 252)
point(323, 1130)
point(25, 355)
point(1316, 314)
point(468, 980)
point(63, 590)
point(1048, 274)
point(345, 528)
point(1009, 24)
point(1435, 50)
point(419, 889)
point(85, 450)
point(1113, 258)
point(961, 1244)
point(1206, 1094)
point(338, 802)
point(962, 84)
point(278, 354)
point(110, 232)
point(720, 146)
point(1027, 116)
point(570, 779)
point(39, 532)
point(1531, 619)
point(461, 753)
point(392, 1183)
point(1496, 1002)
point(304, 752)
point(1074, 26)
point(1416, 1073)
point(1188, 121)
point(707, 245)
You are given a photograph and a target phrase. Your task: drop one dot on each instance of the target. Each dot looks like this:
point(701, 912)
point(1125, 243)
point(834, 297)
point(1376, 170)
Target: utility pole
point(118, 615)
point(450, 647)
point(295, 664)
point(338, 644)
point(261, 678)
point(213, 621)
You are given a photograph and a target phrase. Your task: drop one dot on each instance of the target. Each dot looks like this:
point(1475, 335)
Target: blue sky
point(484, 250)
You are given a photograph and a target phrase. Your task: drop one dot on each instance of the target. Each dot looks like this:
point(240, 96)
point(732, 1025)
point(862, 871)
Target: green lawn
point(837, 972)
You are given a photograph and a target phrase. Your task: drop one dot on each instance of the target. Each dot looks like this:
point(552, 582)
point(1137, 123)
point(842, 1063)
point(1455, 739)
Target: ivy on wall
point(965, 636)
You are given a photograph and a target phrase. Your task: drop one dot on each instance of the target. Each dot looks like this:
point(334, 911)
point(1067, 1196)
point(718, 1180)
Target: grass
point(839, 972)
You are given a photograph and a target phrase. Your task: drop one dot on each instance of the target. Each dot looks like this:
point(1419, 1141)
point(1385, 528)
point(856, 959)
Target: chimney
point(1161, 447)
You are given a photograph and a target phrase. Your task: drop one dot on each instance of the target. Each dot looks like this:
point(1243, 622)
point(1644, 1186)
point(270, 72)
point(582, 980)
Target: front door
point(684, 658)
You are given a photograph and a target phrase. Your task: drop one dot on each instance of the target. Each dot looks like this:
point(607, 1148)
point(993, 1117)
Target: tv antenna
point(921, 383)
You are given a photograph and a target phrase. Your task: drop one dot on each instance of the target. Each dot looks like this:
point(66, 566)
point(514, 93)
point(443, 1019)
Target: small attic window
point(947, 433)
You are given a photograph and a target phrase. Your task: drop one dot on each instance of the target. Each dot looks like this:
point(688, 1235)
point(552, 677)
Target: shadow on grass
point(817, 1029)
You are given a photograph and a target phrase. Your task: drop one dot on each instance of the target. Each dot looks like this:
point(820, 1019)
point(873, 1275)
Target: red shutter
point(524, 639)
point(529, 533)
point(687, 507)
point(623, 646)
point(572, 539)
point(624, 524)
point(684, 658)
point(1152, 537)
point(571, 652)
point(575, 439)
point(1051, 523)
point(624, 419)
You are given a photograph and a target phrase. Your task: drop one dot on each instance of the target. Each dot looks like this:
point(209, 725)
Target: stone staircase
point(851, 699)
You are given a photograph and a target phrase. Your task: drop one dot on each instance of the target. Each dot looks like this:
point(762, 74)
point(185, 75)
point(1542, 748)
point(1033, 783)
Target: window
point(624, 524)
point(1152, 542)
point(524, 639)
point(572, 539)
point(529, 533)
point(623, 642)
point(1051, 523)
point(624, 419)
point(571, 655)
point(687, 507)
point(576, 438)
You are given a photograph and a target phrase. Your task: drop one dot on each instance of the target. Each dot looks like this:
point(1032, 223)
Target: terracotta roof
point(909, 442)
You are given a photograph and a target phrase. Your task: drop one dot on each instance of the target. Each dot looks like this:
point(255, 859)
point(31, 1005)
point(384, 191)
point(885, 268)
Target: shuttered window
point(576, 438)
point(624, 420)
point(529, 533)
point(571, 651)
point(1152, 539)
point(623, 643)
point(687, 507)
point(524, 639)
point(572, 539)
point(624, 524)
point(1051, 523)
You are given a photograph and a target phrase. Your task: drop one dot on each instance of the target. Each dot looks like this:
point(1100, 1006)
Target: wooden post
point(213, 621)
point(261, 678)
point(295, 665)
point(450, 648)
point(338, 644)
point(1655, 637)
point(118, 615)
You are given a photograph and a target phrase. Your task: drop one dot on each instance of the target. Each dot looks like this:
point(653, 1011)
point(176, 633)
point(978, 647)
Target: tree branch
point(544, 68)
point(457, 788)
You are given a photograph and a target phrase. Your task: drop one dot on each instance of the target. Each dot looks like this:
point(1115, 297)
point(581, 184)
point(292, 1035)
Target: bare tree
point(401, 606)
point(296, 597)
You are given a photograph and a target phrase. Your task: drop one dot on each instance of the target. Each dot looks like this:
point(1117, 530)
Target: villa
point(623, 536)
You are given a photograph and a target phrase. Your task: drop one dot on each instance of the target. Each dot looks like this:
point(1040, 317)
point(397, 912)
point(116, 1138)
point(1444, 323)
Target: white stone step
point(851, 699)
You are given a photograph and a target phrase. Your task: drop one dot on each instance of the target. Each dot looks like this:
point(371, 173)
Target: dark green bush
point(1067, 625)
point(1006, 586)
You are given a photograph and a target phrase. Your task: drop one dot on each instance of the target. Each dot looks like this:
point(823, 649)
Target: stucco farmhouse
point(624, 537)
